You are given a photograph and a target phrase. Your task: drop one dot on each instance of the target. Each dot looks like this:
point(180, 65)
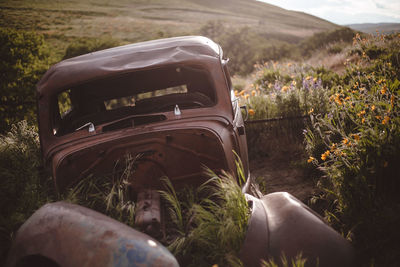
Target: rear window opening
point(132, 95)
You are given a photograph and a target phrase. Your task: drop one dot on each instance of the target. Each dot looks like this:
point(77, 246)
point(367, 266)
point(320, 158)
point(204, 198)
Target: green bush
point(86, 45)
point(23, 187)
point(357, 146)
point(23, 61)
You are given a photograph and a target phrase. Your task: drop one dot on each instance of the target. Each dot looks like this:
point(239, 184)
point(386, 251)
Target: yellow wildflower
point(311, 111)
point(308, 78)
point(373, 107)
point(333, 147)
point(346, 142)
point(347, 98)
point(246, 96)
point(325, 155)
point(392, 100)
point(362, 120)
point(383, 90)
point(385, 120)
point(356, 137)
point(251, 112)
point(385, 164)
point(354, 91)
point(338, 100)
point(378, 117)
point(310, 159)
point(315, 80)
point(253, 93)
point(361, 113)
point(285, 88)
point(294, 83)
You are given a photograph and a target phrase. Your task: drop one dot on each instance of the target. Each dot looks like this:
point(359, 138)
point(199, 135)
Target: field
point(340, 157)
point(61, 22)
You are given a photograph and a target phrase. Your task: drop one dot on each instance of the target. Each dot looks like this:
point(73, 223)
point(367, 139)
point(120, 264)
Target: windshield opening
point(137, 93)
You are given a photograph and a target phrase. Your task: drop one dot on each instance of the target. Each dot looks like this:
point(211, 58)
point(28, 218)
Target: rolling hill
point(371, 28)
point(137, 20)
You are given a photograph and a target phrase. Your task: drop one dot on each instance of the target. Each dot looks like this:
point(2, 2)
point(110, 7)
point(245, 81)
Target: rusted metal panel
point(71, 235)
point(290, 228)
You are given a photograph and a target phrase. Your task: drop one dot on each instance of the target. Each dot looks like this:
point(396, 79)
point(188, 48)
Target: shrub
point(23, 188)
point(86, 45)
point(357, 146)
point(23, 61)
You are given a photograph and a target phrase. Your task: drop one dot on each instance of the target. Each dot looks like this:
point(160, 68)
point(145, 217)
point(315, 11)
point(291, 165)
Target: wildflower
point(383, 90)
point(356, 137)
point(362, 89)
point(246, 96)
point(338, 100)
point(253, 93)
point(385, 120)
point(311, 111)
point(251, 112)
point(315, 80)
point(325, 155)
point(346, 142)
point(385, 164)
point(362, 120)
point(354, 91)
point(285, 88)
point(378, 117)
point(347, 98)
point(361, 113)
point(333, 147)
point(294, 83)
point(373, 107)
point(308, 78)
point(392, 101)
point(310, 159)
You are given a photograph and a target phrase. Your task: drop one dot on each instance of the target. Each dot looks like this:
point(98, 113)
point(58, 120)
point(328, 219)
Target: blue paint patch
point(138, 253)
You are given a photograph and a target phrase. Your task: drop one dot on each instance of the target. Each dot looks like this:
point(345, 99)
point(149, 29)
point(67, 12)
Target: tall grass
point(23, 187)
point(208, 223)
point(108, 194)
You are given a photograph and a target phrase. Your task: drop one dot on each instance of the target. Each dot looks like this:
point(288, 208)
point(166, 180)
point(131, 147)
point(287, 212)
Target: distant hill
point(137, 20)
point(373, 27)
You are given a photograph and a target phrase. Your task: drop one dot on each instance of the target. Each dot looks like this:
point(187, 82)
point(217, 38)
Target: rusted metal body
point(209, 127)
point(69, 235)
point(171, 102)
point(280, 225)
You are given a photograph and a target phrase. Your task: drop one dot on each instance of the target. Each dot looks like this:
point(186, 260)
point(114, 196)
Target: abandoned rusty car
point(170, 101)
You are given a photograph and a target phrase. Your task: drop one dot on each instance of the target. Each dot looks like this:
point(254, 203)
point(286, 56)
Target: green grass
point(133, 21)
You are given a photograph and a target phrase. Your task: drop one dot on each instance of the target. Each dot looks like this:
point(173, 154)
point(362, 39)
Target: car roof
point(127, 58)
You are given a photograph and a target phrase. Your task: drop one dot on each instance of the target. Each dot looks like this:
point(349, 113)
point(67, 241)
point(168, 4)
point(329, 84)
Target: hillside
point(137, 20)
point(373, 27)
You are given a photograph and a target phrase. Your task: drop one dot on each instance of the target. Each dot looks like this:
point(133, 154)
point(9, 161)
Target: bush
point(357, 146)
point(23, 61)
point(86, 45)
point(23, 188)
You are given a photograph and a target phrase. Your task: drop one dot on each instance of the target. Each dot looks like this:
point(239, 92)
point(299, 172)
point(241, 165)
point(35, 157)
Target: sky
point(345, 11)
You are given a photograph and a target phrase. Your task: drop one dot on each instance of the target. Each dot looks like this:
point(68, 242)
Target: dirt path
point(277, 173)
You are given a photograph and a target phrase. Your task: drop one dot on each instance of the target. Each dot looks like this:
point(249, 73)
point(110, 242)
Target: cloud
point(346, 11)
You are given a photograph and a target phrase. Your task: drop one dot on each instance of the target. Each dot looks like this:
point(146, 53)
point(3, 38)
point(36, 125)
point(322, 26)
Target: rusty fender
point(69, 235)
point(280, 225)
